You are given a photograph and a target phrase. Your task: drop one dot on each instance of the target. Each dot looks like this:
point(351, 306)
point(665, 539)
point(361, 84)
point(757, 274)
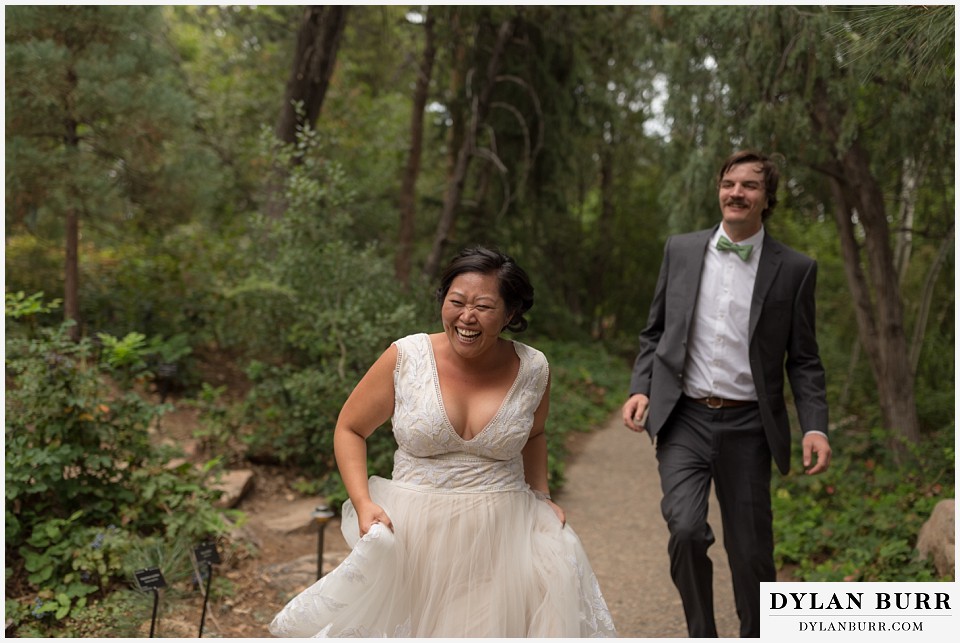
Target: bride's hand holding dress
point(561, 514)
point(372, 514)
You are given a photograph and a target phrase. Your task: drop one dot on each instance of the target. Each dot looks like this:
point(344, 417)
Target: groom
point(732, 310)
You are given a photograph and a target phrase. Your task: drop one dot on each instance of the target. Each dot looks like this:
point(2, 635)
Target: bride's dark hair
point(515, 287)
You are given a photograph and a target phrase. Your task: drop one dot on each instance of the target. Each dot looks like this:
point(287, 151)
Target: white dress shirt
point(718, 359)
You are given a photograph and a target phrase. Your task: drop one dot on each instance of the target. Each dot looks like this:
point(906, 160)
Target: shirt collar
point(755, 240)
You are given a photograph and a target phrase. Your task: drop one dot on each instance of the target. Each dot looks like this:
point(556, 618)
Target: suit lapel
point(770, 260)
point(694, 271)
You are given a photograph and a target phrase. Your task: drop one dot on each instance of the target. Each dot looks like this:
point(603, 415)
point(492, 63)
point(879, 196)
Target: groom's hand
point(635, 412)
point(816, 443)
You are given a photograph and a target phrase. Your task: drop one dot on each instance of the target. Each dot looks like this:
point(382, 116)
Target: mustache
point(735, 202)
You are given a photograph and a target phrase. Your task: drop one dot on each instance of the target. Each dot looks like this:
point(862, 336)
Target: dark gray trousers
point(698, 446)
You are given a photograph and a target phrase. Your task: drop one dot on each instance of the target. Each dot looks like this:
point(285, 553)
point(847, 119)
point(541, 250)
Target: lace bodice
point(432, 454)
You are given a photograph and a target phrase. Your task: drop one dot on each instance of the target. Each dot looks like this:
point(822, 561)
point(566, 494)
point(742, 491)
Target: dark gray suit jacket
point(782, 337)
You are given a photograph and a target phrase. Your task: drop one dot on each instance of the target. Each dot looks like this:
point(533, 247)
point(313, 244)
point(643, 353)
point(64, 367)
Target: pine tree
point(97, 130)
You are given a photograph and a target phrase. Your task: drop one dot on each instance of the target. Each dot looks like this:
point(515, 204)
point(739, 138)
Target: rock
point(235, 486)
point(294, 517)
point(294, 576)
point(175, 463)
point(937, 537)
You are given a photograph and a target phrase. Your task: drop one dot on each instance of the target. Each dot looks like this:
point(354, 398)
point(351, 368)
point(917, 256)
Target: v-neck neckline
point(443, 408)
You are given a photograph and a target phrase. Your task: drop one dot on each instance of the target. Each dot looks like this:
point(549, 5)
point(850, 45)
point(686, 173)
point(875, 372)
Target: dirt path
point(612, 500)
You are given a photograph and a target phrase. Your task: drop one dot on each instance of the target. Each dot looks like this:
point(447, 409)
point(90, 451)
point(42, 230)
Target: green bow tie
point(744, 250)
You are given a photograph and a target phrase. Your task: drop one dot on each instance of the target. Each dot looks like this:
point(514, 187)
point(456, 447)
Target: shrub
point(859, 520)
point(317, 311)
point(83, 482)
point(587, 384)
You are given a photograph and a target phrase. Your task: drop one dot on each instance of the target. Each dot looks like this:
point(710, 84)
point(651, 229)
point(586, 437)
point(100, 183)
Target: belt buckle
point(710, 400)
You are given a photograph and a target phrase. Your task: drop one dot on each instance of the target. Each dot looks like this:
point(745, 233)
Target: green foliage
point(587, 385)
point(318, 309)
point(378, 110)
point(219, 419)
point(123, 611)
point(236, 79)
point(96, 120)
point(95, 556)
point(98, 123)
point(120, 614)
point(936, 383)
point(859, 521)
point(920, 38)
point(19, 305)
point(124, 355)
point(293, 411)
point(79, 463)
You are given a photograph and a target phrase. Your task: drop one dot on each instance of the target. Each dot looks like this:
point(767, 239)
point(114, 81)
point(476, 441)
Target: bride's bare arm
point(369, 406)
point(535, 456)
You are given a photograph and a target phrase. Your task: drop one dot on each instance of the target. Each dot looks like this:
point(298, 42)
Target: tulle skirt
point(457, 564)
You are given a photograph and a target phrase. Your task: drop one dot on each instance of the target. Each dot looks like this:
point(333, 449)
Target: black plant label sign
point(206, 553)
point(150, 578)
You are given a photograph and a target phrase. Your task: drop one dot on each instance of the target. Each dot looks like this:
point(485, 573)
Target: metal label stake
point(206, 553)
point(322, 514)
point(152, 580)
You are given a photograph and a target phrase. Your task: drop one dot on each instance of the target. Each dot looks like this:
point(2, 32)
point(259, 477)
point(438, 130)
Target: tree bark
point(71, 273)
point(876, 294)
point(926, 300)
point(454, 193)
point(604, 242)
point(404, 257)
point(318, 41)
point(71, 267)
point(908, 206)
point(458, 73)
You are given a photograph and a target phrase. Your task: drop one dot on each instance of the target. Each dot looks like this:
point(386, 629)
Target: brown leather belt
point(714, 402)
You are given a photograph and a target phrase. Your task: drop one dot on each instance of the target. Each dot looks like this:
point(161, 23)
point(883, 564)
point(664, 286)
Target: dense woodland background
point(271, 191)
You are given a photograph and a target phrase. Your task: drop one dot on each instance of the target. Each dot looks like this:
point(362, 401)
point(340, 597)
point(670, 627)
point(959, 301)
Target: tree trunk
point(880, 323)
point(908, 206)
point(458, 73)
point(454, 193)
point(404, 256)
point(896, 381)
point(926, 300)
point(604, 242)
point(844, 398)
point(71, 267)
point(71, 273)
point(318, 40)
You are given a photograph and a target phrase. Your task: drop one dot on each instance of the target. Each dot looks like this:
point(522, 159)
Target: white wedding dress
point(473, 552)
